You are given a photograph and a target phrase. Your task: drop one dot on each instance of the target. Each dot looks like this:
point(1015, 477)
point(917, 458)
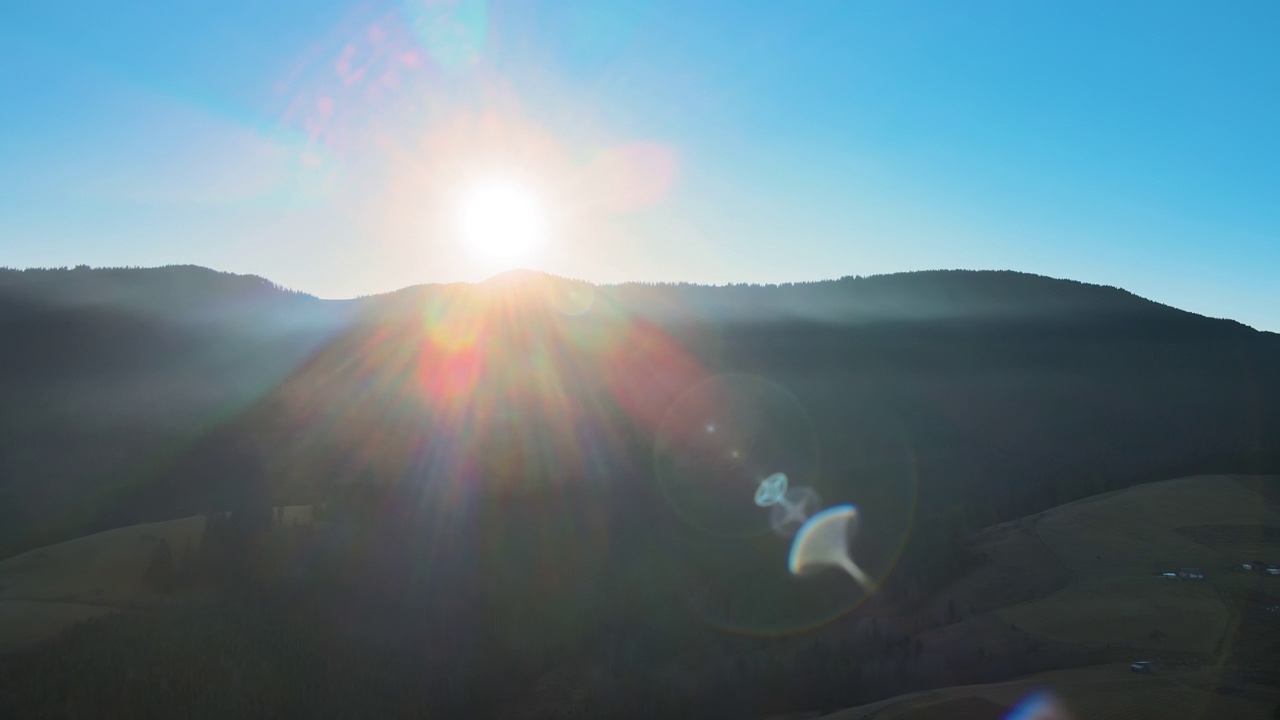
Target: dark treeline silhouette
point(494, 505)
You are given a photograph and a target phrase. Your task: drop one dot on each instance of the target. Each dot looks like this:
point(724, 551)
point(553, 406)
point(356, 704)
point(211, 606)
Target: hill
point(48, 589)
point(1101, 590)
point(1092, 566)
point(110, 374)
point(555, 480)
point(531, 437)
point(1103, 691)
point(145, 394)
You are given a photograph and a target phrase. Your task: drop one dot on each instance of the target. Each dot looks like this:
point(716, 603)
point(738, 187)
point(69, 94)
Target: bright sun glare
point(502, 221)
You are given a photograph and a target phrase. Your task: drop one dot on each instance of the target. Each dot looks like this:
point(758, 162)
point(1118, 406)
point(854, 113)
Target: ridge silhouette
point(138, 394)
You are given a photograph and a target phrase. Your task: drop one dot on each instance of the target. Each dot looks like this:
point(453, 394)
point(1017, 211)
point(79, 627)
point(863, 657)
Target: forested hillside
point(139, 394)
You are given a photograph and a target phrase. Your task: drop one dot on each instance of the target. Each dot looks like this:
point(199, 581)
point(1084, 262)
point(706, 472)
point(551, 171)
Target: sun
point(502, 220)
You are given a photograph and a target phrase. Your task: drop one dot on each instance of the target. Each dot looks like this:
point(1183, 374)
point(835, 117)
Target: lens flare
point(453, 33)
point(794, 509)
point(716, 442)
point(572, 298)
point(1042, 705)
point(748, 583)
point(772, 489)
point(823, 541)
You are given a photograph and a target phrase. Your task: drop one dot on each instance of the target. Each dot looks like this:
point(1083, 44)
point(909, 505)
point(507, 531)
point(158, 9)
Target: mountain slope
point(1211, 642)
point(145, 394)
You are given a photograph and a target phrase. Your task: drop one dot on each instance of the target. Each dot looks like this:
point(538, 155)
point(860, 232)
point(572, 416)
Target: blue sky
point(327, 145)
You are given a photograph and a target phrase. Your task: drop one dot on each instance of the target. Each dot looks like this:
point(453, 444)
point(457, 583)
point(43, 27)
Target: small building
point(1141, 666)
point(1191, 574)
point(1273, 570)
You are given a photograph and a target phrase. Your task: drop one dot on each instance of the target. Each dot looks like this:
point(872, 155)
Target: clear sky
point(334, 146)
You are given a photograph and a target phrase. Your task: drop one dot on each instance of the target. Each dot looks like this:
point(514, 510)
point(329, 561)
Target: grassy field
point(25, 621)
point(1088, 574)
point(1104, 691)
point(1142, 613)
point(1085, 574)
point(1134, 532)
point(1116, 545)
point(47, 589)
point(101, 569)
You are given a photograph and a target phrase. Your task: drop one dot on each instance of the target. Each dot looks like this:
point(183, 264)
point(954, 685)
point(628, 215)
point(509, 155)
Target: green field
point(47, 589)
point(101, 569)
point(25, 621)
point(1116, 545)
point(1085, 574)
point(1096, 564)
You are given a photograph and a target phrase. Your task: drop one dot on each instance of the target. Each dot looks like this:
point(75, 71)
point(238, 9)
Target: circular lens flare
point(719, 439)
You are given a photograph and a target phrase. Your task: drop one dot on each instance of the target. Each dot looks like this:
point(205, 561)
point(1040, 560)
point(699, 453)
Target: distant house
point(1273, 570)
point(1142, 666)
point(1192, 574)
point(1249, 565)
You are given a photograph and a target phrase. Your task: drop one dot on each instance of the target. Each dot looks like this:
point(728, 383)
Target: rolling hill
point(46, 590)
point(1073, 593)
point(1100, 588)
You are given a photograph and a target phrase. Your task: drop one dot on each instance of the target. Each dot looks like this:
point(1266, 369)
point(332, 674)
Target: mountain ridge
point(137, 403)
point(911, 295)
